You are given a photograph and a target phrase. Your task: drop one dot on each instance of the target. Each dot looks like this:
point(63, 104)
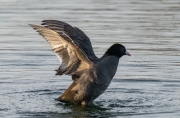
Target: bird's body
point(91, 75)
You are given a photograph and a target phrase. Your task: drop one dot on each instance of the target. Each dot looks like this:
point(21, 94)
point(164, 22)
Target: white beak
point(127, 53)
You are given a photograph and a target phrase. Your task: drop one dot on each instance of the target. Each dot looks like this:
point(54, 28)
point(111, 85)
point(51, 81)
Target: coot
point(91, 75)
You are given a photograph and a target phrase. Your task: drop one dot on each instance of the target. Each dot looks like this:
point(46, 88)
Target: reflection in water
point(86, 111)
point(147, 84)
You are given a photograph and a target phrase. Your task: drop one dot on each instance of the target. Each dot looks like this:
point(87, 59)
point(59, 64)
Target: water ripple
point(145, 85)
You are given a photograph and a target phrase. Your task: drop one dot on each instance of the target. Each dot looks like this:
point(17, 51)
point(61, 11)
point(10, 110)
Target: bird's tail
point(68, 95)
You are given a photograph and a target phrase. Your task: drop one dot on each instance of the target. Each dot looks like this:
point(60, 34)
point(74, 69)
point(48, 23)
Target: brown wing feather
point(69, 54)
point(78, 36)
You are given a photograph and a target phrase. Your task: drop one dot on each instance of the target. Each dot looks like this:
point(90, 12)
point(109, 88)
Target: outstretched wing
point(75, 34)
point(68, 52)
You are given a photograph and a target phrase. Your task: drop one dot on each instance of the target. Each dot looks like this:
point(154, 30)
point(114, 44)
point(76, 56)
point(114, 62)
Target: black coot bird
point(91, 75)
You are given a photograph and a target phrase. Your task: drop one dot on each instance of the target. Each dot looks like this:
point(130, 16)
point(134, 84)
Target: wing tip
point(36, 27)
point(49, 21)
point(45, 20)
point(32, 25)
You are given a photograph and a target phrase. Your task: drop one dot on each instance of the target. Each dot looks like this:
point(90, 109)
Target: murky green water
point(145, 85)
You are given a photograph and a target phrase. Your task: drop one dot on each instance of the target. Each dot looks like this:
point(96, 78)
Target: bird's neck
point(109, 65)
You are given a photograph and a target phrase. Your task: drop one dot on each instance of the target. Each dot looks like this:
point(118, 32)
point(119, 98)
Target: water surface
point(145, 85)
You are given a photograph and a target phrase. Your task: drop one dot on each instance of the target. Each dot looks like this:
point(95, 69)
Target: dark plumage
point(91, 75)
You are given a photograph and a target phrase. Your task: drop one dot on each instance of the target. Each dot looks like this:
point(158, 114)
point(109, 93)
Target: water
point(145, 85)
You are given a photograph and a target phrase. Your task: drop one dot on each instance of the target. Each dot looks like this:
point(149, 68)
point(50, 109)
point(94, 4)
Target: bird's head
point(117, 50)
